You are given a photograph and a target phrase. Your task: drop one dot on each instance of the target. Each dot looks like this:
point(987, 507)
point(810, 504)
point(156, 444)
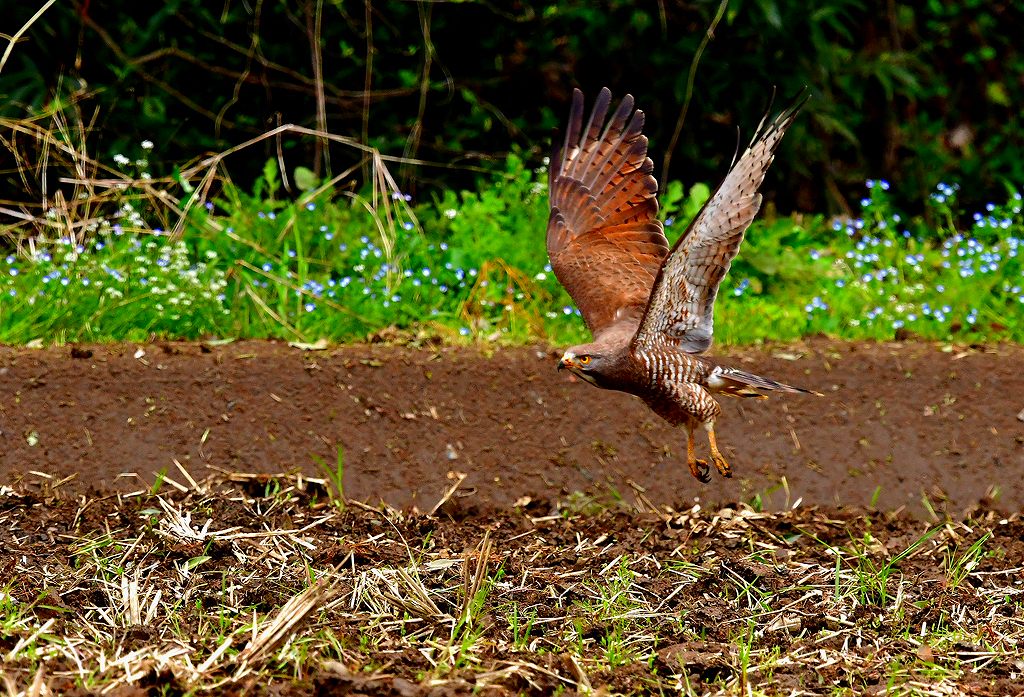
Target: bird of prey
point(651, 308)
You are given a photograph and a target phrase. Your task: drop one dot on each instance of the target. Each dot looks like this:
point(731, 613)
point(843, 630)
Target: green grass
point(471, 265)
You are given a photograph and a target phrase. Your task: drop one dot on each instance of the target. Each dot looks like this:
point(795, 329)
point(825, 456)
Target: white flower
point(121, 159)
point(450, 213)
point(147, 145)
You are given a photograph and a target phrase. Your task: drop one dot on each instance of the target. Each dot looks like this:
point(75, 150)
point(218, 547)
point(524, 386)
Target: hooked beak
point(567, 362)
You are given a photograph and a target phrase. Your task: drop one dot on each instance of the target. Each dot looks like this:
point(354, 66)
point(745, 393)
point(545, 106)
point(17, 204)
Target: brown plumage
point(649, 308)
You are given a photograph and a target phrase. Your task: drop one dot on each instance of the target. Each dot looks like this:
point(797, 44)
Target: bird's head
point(588, 362)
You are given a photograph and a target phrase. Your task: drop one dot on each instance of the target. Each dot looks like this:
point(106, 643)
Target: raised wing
point(604, 239)
point(681, 309)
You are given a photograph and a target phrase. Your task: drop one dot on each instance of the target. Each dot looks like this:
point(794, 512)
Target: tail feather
point(743, 384)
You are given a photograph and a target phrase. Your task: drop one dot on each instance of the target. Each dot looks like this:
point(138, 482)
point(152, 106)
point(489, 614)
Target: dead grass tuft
point(266, 585)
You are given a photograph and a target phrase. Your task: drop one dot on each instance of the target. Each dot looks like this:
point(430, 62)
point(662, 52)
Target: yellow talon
point(716, 455)
point(698, 468)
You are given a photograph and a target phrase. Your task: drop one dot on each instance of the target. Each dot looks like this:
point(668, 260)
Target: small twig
point(459, 478)
point(690, 78)
point(21, 32)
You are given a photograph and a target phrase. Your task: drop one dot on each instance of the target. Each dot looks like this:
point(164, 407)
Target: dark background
point(917, 93)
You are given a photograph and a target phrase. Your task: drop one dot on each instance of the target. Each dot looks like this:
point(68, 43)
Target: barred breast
point(674, 391)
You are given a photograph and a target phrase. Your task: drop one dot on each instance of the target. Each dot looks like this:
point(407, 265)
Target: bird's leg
point(716, 454)
point(698, 468)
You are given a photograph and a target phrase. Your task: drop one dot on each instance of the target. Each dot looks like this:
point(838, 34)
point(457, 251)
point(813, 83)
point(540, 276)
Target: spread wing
point(604, 239)
point(681, 309)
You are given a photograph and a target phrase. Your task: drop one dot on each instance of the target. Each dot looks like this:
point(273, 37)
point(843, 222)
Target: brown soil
point(913, 421)
point(156, 594)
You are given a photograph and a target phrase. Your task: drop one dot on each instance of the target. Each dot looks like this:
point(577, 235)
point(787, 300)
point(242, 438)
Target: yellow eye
point(584, 360)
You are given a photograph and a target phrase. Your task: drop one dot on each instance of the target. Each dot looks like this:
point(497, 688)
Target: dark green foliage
point(919, 93)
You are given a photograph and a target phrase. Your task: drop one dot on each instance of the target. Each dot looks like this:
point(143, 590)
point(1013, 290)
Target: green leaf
point(196, 561)
point(996, 93)
point(305, 178)
point(270, 177)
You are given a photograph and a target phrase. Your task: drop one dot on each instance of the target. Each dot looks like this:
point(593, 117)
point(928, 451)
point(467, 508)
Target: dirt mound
point(901, 423)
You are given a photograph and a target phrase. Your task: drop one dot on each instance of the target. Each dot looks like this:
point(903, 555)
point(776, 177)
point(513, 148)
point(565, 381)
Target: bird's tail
point(740, 383)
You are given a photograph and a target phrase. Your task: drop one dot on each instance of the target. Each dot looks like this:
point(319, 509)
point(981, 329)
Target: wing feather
point(681, 308)
point(604, 239)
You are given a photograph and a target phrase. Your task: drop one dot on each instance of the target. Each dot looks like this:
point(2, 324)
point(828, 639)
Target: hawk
point(649, 307)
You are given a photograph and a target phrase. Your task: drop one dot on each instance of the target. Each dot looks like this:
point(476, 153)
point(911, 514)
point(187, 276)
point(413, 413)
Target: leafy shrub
point(474, 265)
point(916, 92)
